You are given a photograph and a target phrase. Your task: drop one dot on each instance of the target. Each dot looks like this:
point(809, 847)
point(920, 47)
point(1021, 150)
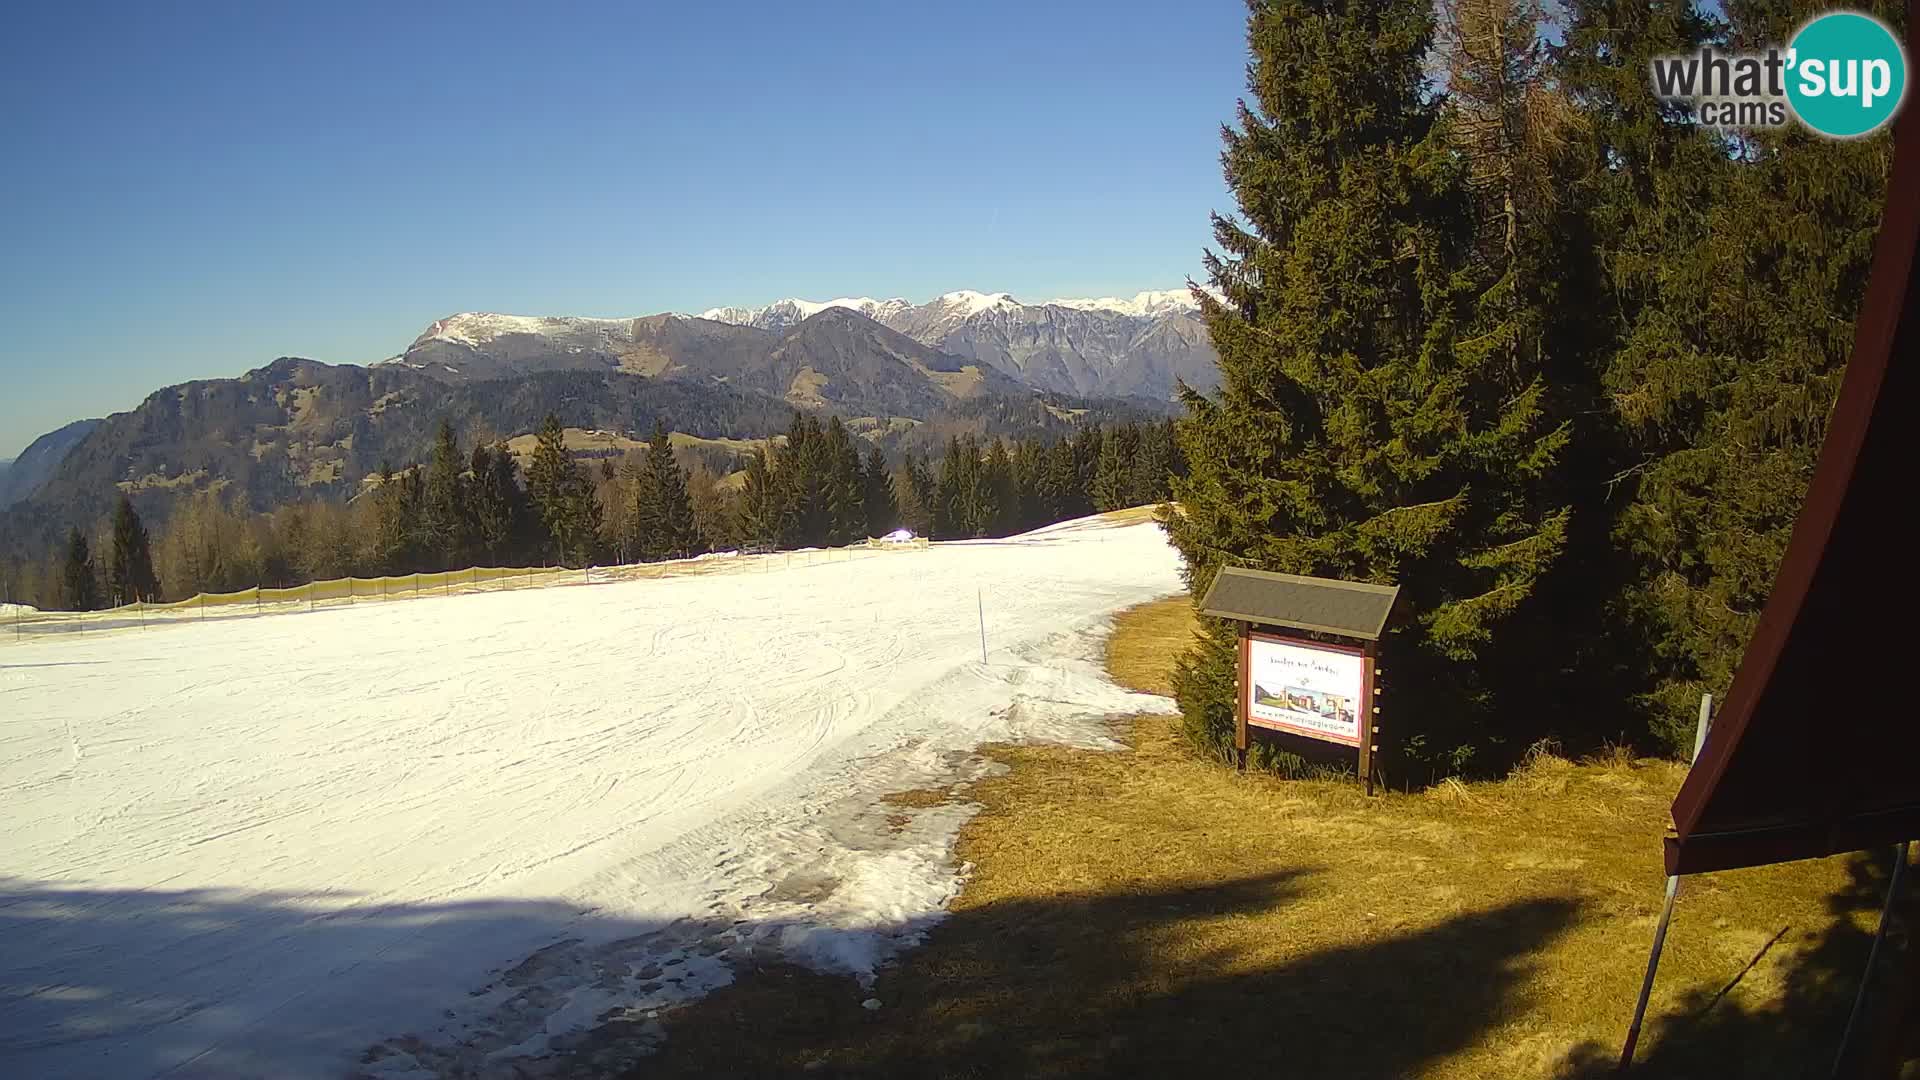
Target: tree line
point(816, 489)
point(1499, 326)
point(817, 485)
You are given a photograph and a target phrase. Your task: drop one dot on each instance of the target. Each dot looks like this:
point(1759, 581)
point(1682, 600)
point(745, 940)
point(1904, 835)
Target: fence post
point(309, 596)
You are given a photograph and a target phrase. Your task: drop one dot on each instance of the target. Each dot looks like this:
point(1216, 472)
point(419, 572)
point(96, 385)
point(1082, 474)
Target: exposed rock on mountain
point(1102, 347)
point(835, 357)
point(27, 472)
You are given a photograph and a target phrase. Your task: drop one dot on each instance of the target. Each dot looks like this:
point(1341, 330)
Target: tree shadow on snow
point(216, 983)
point(206, 983)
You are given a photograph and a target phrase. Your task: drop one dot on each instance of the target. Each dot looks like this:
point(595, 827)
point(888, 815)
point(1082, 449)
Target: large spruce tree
point(1359, 432)
point(81, 589)
point(397, 532)
point(497, 517)
point(765, 509)
point(669, 531)
point(444, 516)
point(130, 576)
point(563, 498)
point(882, 509)
point(1740, 265)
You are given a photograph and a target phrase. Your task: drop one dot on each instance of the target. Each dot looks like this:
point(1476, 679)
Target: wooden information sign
point(1293, 679)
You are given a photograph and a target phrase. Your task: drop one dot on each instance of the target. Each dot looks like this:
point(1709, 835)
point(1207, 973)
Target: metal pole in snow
point(981, 606)
point(1666, 912)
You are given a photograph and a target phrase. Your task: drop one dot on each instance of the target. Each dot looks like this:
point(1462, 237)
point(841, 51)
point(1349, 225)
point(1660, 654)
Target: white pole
point(980, 606)
point(1666, 910)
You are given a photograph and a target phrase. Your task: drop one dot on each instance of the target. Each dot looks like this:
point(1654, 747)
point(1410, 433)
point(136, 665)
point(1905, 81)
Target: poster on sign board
point(1306, 688)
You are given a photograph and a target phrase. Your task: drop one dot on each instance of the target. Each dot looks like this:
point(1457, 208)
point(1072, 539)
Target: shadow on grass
point(1107, 985)
point(1711, 1034)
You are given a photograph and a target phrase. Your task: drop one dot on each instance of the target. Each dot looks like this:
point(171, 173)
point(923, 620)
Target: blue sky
point(192, 190)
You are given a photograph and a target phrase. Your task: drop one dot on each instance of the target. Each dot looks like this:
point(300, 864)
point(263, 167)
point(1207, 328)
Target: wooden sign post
point(1306, 658)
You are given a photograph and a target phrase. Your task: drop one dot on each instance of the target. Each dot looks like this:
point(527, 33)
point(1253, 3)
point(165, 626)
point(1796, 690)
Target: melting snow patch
point(502, 831)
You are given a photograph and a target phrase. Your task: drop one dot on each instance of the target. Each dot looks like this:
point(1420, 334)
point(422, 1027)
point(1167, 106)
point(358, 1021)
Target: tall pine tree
point(1356, 434)
point(670, 531)
point(443, 510)
point(562, 497)
point(498, 521)
point(765, 510)
point(882, 510)
point(130, 576)
point(1742, 263)
point(81, 591)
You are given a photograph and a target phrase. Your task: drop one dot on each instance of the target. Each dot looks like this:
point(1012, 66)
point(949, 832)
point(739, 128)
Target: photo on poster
point(1305, 689)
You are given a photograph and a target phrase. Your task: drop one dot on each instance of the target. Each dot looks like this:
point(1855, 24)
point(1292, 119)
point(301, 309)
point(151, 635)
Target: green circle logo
point(1846, 74)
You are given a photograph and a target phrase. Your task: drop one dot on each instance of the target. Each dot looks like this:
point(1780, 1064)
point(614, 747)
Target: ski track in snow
point(452, 836)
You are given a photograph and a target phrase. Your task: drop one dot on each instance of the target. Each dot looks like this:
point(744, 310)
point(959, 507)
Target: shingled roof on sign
point(1324, 605)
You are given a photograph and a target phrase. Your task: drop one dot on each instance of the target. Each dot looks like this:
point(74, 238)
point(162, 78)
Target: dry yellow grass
point(1148, 913)
point(1145, 640)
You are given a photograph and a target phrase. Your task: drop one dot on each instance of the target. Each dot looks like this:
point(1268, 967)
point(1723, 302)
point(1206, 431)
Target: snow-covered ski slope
point(440, 836)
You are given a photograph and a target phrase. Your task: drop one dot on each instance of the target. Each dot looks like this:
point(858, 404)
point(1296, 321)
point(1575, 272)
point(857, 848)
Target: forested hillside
point(467, 501)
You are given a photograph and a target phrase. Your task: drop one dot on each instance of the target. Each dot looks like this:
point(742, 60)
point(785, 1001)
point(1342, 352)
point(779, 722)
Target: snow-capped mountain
point(1141, 346)
point(1151, 304)
point(1138, 346)
point(782, 314)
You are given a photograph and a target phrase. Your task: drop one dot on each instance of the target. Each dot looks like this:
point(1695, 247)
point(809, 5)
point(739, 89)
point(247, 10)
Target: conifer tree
point(671, 534)
point(1001, 513)
point(562, 497)
point(919, 496)
point(397, 522)
point(800, 471)
point(131, 578)
point(1355, 435)
point(1756, 254)
point(1029, 467)
point(843, 498)
point(82, 589)
point(497, 512)
point(1086, 461)
point(1059, 482)
point(443, 510)
point(1113, 473)
point(963, 500)
point(641, 524)
point(764, 508)
point(882, 510)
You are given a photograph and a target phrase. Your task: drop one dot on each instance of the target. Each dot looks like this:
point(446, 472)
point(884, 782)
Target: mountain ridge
point(1142, 346)
point(296, 428)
